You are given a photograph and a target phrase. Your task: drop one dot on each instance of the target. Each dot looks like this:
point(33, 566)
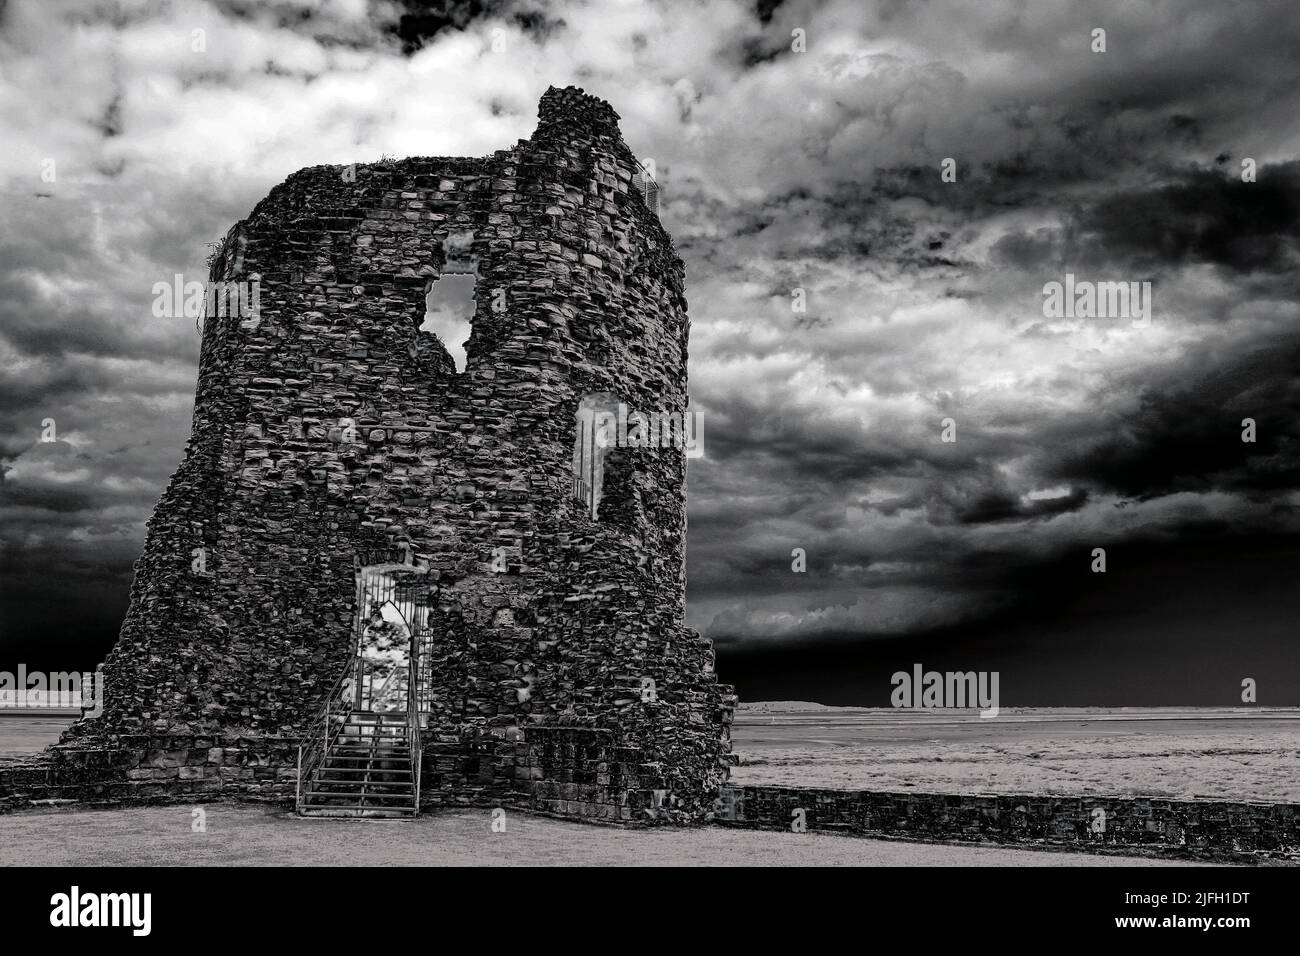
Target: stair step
point(377, 786)
point(376, 724)
point(359, 799)
point(375, 771)
point(365, 769)
point(361, 772)
point(352, 800)
point(376, 728)
point(369, 755)
point(393, 743)
point(331, 766)
point(368, 769)
point(404, 772)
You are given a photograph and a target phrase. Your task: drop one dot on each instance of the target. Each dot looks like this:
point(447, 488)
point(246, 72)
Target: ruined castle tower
point(332, 435)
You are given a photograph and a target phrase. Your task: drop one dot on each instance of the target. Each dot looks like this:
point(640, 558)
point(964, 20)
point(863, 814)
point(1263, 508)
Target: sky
point(870, 198)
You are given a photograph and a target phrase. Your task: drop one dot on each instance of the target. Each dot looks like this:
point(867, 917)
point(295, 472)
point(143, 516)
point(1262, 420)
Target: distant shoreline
point(1191, 711)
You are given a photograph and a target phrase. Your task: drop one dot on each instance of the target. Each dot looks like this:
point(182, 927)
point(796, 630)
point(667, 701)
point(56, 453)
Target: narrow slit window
point(588, 455)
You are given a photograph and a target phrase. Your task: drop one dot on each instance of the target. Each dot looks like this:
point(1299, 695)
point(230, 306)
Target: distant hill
point(784, 706)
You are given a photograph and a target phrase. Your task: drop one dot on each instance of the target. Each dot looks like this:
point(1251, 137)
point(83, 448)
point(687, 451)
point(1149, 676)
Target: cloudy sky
point(135, 133)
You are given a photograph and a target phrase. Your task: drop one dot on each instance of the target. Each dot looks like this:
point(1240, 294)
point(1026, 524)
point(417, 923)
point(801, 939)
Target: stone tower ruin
point(532, 584)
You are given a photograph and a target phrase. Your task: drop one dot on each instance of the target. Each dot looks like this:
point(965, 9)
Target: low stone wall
point(589, 774)
point(583, 773)
point(1189, 828)
point(154, 769)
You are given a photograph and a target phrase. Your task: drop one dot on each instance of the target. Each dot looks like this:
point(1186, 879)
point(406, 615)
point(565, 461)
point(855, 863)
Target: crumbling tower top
point(564, 105)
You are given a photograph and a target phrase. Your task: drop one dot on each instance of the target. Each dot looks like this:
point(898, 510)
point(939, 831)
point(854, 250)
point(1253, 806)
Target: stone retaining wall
point(142, 769)
point(1192, 828)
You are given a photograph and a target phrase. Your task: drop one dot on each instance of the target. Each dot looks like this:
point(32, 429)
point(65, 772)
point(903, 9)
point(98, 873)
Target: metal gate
point(388, 636)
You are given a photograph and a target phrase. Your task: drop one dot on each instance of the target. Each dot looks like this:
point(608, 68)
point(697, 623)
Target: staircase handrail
point(318, 745)
point(413, 714)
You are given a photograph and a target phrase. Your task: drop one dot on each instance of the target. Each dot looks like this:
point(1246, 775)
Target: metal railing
point(424, 691)
point(332, 719)
point(645, 184)
point(413, 716)
point(386, 695)
point(355, 689)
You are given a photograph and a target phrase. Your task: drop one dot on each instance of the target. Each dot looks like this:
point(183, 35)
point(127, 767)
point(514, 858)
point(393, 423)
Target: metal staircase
point(365, 753)
point(370, 768)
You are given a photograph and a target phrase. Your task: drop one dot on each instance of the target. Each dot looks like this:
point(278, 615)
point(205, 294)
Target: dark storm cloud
point(1111, 169)
point(1000, 506)
point(423, 21)
point(1185, 433)
point(1206, 216)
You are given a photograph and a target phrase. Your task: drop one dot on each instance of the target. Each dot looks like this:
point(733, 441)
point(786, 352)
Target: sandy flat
point(256, 836)
point(28, 733)
point(1224, 753)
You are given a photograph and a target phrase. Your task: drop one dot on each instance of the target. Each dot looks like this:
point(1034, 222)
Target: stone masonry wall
point(333, 426)
point(142, 769)
point(1185, 828)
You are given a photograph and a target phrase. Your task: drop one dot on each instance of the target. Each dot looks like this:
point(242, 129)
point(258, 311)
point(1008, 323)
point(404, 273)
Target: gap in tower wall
point(449, 313)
